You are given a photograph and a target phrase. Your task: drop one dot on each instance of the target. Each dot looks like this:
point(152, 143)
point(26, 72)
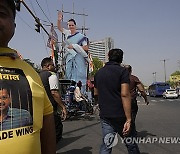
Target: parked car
point(170, 93)
point(178, 91)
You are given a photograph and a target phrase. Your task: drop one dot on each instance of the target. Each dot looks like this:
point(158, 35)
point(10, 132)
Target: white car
point(178, 91)
point(170, 93)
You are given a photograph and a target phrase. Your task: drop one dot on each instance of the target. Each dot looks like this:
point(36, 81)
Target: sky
point(148, 31)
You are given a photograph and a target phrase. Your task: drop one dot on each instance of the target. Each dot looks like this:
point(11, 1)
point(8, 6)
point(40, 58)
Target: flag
point(91, 66)
point(54, 35)
point(53, 44)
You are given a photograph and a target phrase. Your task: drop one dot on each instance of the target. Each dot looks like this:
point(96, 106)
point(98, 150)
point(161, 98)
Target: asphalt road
point(158, 125)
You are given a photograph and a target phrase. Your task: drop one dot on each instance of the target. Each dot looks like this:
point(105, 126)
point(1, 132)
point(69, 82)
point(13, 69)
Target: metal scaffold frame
point(83, 30)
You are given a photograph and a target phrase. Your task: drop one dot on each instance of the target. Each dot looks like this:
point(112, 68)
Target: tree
point(36, 67)
point(174, 83)
point(175, 73)
point(97, 65)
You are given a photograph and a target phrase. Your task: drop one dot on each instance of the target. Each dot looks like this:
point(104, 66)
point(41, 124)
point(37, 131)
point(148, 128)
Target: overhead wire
point(42, 34)
point(45, 16)
point(45, 43)
point(46, 23)
point(33, 7)
point(24, 21)
point(33, 30)
point(49, 21)
point(43, 11)
point(48, 10)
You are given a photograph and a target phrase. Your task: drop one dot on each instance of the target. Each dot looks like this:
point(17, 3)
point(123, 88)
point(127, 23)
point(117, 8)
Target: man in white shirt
point(51, 84)
point(79, 97)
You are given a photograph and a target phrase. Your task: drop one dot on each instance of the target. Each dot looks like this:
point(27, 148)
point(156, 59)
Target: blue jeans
point(113, 125)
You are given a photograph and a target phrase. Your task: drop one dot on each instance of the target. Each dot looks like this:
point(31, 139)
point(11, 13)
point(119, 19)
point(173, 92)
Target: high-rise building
point(101, 48)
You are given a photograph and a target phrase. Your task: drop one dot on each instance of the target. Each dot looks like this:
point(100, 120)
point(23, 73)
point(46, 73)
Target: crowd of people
point(31, 100)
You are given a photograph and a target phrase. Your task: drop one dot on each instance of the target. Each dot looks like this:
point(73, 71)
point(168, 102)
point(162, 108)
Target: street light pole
point(164, 61)
point(154, 76)
point(178, 64)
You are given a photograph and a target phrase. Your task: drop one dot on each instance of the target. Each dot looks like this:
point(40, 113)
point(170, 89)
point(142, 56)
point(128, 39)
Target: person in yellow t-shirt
point(27, 88)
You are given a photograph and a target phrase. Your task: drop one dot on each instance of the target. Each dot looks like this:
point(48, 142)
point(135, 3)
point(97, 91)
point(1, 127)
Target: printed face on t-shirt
point(4, 100)
point(15, 99)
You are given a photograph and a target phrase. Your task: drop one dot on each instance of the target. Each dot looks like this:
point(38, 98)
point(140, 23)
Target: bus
point(158, 88)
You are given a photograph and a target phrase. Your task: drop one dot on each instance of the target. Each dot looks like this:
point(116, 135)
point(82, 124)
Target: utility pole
point(179, 64)
point(154, 76)
point(164, 62)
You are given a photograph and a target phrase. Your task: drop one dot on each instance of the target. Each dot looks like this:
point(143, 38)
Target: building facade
point(101, 48)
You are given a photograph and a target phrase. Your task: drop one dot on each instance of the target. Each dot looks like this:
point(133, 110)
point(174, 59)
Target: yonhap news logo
point(111, 140)
point(151, 140)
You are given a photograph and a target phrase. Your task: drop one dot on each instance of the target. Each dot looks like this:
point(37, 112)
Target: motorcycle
point(76, 109)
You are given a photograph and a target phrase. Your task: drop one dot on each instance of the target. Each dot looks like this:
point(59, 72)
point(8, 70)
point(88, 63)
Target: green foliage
point(176, 73)
point(97, 65)
point(172, 84)
point(36, 67)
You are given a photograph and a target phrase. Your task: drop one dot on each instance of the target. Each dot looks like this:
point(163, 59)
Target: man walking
point(135, 86)
point(51, 84)
point(112, 91)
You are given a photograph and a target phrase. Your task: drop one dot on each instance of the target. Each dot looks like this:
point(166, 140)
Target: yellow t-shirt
point(20, 129)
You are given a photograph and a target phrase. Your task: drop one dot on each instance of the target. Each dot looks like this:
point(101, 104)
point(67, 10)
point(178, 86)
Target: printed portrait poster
point(15, 101)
